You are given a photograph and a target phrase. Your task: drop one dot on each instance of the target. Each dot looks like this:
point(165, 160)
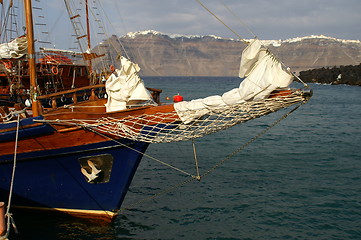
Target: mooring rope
point(8, 215)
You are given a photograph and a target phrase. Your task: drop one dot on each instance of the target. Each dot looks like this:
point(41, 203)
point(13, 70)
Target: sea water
point(301, 180)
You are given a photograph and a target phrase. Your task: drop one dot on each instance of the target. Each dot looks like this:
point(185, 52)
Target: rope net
point(167, 127)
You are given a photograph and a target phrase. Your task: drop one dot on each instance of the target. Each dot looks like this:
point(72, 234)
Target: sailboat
point(80, 158)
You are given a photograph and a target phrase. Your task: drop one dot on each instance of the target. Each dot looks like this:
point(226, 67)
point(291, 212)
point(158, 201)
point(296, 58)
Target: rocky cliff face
point(168, 55)
point(316, 52)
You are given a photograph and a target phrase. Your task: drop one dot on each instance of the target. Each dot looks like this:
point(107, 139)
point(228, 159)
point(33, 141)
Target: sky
point(267, 19)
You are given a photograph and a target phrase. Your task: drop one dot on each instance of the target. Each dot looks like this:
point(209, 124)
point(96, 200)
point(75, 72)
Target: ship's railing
point(92, 92)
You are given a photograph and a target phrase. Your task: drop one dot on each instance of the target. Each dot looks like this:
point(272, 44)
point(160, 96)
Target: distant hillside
point(350, 75)
point(160, 54)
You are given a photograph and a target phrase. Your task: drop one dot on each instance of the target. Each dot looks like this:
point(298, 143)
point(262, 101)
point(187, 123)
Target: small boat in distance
point(77, 149)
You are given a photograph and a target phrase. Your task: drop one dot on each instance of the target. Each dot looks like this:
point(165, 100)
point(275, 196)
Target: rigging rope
point(108, 37)
point(234, 32)
point(234, 15)
point(214, 15)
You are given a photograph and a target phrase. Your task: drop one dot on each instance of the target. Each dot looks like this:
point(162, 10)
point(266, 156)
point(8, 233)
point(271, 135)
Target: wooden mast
point(88, 32)
point(31, 57)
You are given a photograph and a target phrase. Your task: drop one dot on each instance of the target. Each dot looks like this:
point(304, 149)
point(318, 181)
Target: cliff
point(176, 55)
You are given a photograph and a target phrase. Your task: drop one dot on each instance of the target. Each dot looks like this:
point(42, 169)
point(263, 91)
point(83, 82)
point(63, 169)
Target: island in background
point(316, 58)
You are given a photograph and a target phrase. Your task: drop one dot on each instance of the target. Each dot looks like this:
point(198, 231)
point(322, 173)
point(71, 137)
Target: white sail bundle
point(264, 74)
point(197, 118)
point(14, 49)
point(162, 127)
point(125, 87)
point(194, 119)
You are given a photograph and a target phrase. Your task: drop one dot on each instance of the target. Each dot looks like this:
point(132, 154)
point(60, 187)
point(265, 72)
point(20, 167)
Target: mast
point(31, 57)
point(88, 32)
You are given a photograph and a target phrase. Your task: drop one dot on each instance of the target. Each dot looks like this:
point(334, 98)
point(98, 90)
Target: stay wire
point(254, 35)
point(235, 16)
point(112, 26)
point(214, 15)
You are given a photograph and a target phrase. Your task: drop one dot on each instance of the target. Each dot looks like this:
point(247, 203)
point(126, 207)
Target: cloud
point(269, 19)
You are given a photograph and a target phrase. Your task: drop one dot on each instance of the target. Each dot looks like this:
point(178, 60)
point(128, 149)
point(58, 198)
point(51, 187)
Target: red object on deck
point(177, 98)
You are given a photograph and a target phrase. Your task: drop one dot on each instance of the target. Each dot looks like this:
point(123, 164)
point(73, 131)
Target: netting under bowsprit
point(168, 127)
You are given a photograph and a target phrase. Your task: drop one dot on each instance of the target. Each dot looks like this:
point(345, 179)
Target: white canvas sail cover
point(14, 49)
point(264, 73)
point(125, 86)
point(250, 56)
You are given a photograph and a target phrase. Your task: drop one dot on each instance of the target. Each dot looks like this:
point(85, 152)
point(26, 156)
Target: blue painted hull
point(52, 179)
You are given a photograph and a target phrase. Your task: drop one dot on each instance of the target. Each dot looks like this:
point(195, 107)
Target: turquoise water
point(301, 180)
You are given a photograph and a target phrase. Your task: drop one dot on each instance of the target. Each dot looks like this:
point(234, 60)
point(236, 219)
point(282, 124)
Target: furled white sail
point(250, 56)
point(124, 87)
point(264, 73)
point(14, 49)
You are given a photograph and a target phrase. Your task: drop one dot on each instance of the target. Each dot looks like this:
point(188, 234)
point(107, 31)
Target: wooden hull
point(68, 167)
point(49, 169)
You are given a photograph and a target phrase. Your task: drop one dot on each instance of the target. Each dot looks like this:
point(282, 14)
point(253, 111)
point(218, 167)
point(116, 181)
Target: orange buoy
point(55, 70)
point(177, 98)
